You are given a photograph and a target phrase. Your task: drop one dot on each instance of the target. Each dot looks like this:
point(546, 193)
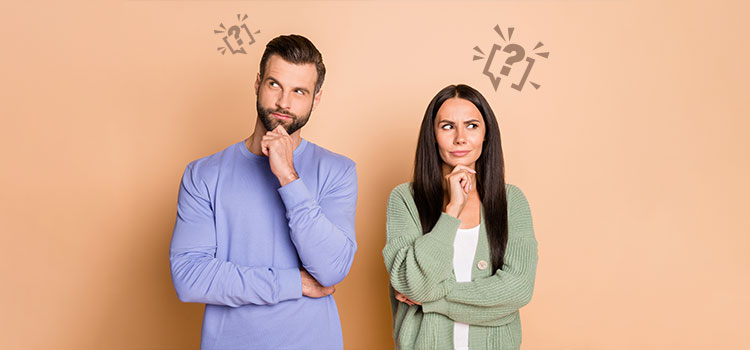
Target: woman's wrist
point(453, 210)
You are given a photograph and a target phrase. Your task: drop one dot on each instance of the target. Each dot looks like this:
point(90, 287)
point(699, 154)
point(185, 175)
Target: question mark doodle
point(520, 54)
point(235, 32)
point(516, 54)
point(495, 80)
point(232, 36)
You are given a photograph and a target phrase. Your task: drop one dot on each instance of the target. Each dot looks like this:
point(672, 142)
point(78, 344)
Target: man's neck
point(253, 143)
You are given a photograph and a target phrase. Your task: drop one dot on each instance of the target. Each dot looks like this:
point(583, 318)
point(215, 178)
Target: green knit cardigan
point(421, 267)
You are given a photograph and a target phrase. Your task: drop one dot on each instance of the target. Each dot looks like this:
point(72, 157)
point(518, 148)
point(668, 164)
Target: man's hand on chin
point(278, 146)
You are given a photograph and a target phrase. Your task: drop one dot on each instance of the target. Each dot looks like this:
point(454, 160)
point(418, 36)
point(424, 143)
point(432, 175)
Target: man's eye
point(273, 83)
point(299, 92)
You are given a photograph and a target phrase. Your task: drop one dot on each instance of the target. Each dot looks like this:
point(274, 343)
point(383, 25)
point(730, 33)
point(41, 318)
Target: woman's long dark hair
point(427, 185)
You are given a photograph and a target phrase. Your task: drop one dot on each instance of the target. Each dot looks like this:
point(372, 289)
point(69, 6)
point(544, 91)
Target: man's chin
point(272, 124)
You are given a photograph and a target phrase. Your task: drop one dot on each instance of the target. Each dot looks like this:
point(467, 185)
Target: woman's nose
point(460, 137)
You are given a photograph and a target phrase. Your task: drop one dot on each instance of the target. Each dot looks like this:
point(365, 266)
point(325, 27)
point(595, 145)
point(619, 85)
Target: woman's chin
point(452, 163)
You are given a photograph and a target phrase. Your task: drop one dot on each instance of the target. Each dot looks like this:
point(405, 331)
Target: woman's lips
point(459, 153)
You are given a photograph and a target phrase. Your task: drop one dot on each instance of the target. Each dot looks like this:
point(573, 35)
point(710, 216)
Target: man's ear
point(316, 98)
point(257, 83)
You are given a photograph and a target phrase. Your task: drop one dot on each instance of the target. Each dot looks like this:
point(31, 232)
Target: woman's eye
point(473, 126)
point(446, 127)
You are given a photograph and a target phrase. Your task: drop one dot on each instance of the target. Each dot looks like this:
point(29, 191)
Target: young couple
point(265, 228)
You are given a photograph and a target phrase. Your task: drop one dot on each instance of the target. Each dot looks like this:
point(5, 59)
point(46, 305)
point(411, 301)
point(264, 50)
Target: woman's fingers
point(463, 169)
point(462, 179)
point(404, 299)
point(459, 182)
point(460, 167)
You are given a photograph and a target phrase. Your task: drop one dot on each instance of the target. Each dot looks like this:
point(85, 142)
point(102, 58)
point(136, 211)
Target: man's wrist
point(284, 180)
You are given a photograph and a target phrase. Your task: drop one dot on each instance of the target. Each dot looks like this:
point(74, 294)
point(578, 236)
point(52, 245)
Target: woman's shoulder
point(403, 189)
point(516, 199)
point(519, 212)
point(401, 195)
point(513, 193)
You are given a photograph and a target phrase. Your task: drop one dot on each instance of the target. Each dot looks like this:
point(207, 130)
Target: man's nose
point(283, 101)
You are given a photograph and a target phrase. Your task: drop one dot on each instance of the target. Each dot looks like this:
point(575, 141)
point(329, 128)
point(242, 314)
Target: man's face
point(286, 94)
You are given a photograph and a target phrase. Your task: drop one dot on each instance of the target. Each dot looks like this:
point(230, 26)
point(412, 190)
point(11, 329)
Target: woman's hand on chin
point(459, 182)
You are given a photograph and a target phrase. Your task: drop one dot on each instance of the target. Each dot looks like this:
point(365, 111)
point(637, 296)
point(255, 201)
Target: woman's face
point(459, 130)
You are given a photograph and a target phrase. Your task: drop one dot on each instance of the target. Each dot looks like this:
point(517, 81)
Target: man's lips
point(459, 153)
point(281, 116)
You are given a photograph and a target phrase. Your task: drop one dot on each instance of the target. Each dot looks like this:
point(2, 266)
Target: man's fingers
point(269, 138)
point(266, 142)
point(281, 130)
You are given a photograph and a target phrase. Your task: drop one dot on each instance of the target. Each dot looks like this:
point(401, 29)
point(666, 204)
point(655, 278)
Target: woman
point(460, 247)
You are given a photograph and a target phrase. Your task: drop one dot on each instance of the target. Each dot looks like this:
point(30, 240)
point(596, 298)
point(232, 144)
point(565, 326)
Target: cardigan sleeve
point(420, 265)
point(493, 301)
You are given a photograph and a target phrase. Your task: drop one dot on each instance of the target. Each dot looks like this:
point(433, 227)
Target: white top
point(464, 249)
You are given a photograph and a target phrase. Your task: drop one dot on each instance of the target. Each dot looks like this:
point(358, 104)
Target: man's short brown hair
point(295, 49)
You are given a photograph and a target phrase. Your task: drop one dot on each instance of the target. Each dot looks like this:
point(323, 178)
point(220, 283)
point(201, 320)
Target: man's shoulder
point(208, 166)
point(328, 158)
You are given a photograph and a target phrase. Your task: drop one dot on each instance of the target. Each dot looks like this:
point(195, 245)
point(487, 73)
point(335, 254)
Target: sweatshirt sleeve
point(201, 278)
point(493, 301)
point(420, 265)
point(323, 231)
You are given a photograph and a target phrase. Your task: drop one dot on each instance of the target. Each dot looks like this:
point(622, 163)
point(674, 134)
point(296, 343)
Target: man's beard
point(271, 122)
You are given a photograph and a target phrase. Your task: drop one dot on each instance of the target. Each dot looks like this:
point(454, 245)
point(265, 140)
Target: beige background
point(633, 154)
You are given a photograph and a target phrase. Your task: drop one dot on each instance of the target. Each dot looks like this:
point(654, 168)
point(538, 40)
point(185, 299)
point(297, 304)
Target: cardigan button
point(482, 264)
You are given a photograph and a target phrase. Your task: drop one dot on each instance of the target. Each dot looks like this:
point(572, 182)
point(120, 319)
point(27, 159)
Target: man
point(265, 228)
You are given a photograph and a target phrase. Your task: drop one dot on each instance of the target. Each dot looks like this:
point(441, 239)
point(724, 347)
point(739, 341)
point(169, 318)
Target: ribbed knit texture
point(421, 267)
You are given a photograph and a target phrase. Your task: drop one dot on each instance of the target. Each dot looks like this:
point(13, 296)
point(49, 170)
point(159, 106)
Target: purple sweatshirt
point(240, 240)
